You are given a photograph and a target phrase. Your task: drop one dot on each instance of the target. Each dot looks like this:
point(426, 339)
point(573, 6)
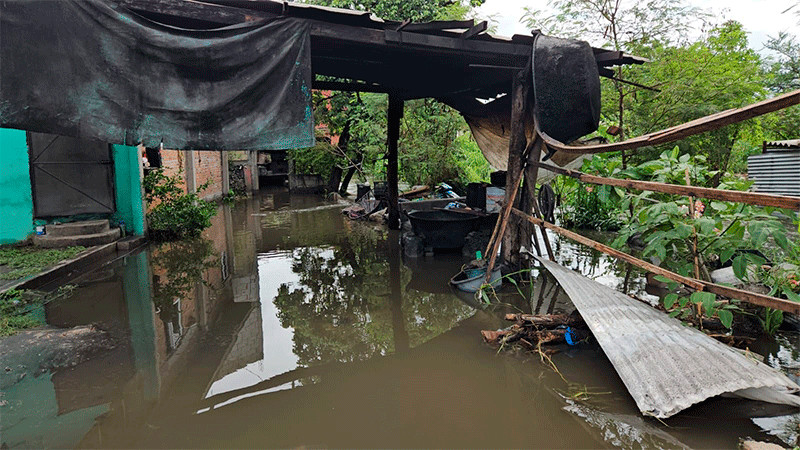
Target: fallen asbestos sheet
point(666, 365)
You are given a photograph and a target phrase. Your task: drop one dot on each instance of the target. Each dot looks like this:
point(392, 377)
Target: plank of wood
point(349, 87)
point(474, 31)
point(676, 133)
point(750, 198)
point(416, 192)
point(698, 285)
point(440, 25)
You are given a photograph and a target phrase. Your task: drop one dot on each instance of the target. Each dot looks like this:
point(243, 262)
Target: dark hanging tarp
point(91, 69)
point(565, 97)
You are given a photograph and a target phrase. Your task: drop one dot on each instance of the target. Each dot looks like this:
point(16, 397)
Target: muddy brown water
point(286, 325)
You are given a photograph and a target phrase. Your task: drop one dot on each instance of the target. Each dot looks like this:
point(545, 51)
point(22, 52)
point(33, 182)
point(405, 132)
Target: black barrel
point(476, 195)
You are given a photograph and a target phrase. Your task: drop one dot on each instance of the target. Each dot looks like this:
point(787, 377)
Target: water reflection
point(287, 325)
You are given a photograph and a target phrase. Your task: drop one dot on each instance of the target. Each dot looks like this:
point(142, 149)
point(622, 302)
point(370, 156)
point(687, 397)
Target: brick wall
point(208, 168)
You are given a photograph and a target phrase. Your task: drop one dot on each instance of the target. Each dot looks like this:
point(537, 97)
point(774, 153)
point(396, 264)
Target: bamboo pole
point(698, 285)
point(750, 198)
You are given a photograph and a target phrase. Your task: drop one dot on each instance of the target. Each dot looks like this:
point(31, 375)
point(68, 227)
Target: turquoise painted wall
point(128, 188)
point(16, 203)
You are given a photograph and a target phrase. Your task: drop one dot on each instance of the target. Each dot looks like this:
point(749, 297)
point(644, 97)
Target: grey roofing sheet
point(665, 365)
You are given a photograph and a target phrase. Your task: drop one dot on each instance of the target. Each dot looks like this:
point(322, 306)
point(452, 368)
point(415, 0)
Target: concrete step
point(78, 228)
point(86, 240)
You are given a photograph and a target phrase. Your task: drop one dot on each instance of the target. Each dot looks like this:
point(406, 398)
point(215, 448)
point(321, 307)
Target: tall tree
point(783, 69)
point(631, 26)
point(718, 72)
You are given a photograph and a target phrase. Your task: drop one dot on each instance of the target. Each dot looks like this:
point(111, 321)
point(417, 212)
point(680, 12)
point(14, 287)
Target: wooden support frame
point(750, 198)
point(698, 285)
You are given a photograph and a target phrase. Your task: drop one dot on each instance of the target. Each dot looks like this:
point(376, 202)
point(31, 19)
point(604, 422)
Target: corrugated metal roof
point(666, 365)
point(791, 143)
point(776, 172)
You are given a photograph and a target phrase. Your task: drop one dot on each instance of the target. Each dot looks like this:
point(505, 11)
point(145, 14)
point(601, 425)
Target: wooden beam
point(676, 133)
point(474, 31)
point(348, 87)
point(394, 115)
point(440, 25)
point(750, 198)
point(452, 43)
point(698, 285)
point(239, 12)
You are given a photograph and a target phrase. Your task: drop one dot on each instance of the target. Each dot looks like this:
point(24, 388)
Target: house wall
point(128, 187)
point(16, 199)
point(208, 168)
point(16, 202)
point(196, 167)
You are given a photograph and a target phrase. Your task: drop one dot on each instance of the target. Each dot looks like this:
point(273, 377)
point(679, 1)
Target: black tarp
point(91, 69)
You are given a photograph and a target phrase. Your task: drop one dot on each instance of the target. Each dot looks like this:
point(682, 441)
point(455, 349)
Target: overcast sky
point(761, 18)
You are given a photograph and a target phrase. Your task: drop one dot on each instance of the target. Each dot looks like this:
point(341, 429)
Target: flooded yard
point(286, 325)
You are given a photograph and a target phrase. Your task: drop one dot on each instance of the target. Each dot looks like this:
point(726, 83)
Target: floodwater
point(286, 325)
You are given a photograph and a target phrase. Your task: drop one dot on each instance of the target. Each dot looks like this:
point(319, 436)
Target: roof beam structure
point(412, 60)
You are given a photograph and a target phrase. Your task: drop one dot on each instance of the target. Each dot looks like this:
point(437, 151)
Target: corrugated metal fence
point(776, 172)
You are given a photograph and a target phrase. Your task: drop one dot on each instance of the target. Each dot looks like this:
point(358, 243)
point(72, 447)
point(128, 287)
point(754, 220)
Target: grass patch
point(26, 261)
point(21, 309)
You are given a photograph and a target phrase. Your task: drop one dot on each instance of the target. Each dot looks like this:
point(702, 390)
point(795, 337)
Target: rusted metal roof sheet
point(776, 172)
point(666, 365)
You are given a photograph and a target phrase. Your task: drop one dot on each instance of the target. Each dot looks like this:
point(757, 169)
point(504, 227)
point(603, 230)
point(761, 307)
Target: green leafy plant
point(180, 266)
point(589, 206)
point(698, 305)
point(27, 261)
point(21, 309)
point(175, 213)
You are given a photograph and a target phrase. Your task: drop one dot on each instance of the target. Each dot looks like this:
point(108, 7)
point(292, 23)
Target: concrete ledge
point(130, 243)
point(62, 269)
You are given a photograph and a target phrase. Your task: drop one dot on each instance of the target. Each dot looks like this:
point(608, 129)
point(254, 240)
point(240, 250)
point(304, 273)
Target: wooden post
point(516, 147)
point(393, 135)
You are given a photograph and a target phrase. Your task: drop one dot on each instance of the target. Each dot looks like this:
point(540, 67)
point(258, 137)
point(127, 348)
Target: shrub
point(176, 214)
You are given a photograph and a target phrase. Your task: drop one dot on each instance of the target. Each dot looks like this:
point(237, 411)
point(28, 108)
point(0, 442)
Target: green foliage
point(771, 320)
point(180, 266)
point(27, 261)
point(704, 302)
point(589, 206)
point(435, 146)
point(414, 10)
point(15, 312)
point(176, 213)
point(722, 230)
point(432, 144)
point(21, 309)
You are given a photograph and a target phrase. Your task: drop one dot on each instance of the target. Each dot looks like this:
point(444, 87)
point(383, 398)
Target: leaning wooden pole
point(750, 198)
point(394, 115)
point(684, 130)
point(698, 285)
